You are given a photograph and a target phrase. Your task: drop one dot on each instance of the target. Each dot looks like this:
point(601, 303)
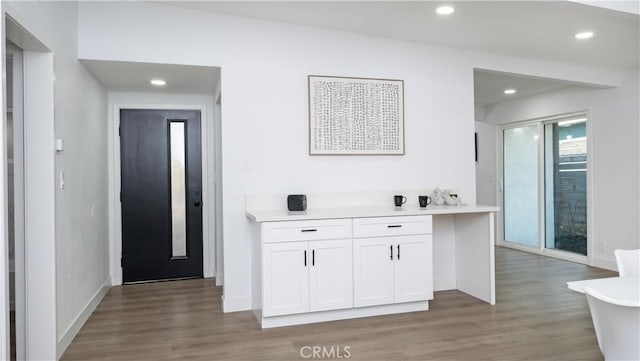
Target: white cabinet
point(413, 268)
point(307, 276)
point(306, 266)
point(285, 278)
point(331, 275)
point(373, 271)
point(318, 270)
point(395, 267)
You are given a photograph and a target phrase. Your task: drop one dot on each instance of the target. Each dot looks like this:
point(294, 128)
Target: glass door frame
point(541, 248)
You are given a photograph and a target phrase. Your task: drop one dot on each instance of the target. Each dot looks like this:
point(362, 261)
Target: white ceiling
point(135, 77)
point(534, 29)
point(489, 86)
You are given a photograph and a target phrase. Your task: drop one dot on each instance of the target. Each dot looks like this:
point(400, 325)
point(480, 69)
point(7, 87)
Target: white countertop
point(274, 215)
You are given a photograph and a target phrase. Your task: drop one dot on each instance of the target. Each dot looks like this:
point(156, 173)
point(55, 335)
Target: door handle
point(398, 257)
point(305, 258)
point(391, 249)
point(197, 203)
point(313, 257)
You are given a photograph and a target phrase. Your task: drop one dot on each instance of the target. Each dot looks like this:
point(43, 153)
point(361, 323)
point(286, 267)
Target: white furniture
point(615, 310)
point(393, 260)
point(340, 263)
point(617, 326)
point(628, 262)
point(306, 266)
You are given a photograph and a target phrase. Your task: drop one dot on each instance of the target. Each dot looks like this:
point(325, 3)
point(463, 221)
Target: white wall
point(146, 100)
point(486, 184)
point(81, 208)
point(615, 117)
point(265, 116)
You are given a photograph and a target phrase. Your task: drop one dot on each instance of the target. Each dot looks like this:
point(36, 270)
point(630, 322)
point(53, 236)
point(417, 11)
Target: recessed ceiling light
point(445, 10)
point(584, 35)
point(158, 82)
point(509, 91)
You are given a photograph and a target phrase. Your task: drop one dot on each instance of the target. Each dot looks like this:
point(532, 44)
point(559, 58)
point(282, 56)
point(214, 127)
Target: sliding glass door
point(565, 153)
point(520, 193)
point(544, 175)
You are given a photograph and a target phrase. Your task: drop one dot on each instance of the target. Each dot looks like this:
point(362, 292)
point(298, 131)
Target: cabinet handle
point(394, 226)
point(309, 230)
point(391, 249)
point(313, 257)
point(305, 258)
point(398, 257)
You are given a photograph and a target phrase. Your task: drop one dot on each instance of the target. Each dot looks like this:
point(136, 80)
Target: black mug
point(399, 200)
point(424, 201)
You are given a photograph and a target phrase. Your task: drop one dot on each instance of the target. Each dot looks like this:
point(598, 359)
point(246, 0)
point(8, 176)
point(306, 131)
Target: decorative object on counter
point(424, 201)
point(451, 199)
point(437, 197)
point(359, 116)
point(442, 197)
point(297, 202)
point(399, 200)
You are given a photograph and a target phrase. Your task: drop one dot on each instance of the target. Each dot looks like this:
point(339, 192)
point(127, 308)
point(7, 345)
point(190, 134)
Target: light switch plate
point(59, 145)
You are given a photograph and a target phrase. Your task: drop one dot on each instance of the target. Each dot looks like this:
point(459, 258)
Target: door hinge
point(120, 196)
point(119, 131)
point(121, 262)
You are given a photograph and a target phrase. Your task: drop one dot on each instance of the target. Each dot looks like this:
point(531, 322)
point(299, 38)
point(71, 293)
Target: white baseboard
point(236, 304)
point(605, 263)
point(74, 328)
point(208, 273)
point(349, 313)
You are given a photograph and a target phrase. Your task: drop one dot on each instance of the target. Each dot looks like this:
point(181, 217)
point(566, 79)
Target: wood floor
point(536, 318)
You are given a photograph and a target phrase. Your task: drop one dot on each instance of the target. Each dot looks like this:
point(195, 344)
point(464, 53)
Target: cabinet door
point(330, 275)
point(373, 271)
point(285, 278)
point(413, 271)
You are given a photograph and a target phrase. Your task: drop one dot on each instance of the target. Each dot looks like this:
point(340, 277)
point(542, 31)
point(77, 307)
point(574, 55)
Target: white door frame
point(217, 175)
point(5, 344)
point(39, 195)
point(18, 202)
point(115, 209)
point(541, 249)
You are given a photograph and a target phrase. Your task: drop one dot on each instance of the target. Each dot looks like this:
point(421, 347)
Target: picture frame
point(355, 116)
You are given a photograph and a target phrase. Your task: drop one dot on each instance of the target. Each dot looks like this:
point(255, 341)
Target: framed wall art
point(355, 116)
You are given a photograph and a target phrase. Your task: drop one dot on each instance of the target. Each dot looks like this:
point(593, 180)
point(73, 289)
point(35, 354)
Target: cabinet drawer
point(391, 226)
point(306, 230)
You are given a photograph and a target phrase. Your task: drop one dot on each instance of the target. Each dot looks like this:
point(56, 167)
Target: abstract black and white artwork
point(355, 116)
